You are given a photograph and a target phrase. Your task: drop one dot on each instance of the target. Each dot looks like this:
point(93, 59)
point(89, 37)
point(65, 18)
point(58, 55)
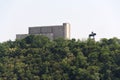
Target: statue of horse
point(92, 35)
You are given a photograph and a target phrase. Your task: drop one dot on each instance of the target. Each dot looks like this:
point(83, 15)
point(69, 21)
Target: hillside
point(38, 58)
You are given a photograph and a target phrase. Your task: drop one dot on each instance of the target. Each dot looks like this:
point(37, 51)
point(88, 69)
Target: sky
point(85, 16)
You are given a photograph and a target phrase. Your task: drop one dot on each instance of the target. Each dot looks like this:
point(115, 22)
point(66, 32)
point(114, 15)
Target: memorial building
point(52, 32)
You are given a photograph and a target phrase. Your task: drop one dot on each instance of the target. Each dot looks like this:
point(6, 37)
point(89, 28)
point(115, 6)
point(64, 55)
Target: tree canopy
point(39, 58)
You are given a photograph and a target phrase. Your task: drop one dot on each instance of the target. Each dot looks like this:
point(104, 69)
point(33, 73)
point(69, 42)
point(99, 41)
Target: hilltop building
point(52, 32)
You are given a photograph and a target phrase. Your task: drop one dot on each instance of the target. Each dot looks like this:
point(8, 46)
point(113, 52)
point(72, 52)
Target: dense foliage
point(38, 58)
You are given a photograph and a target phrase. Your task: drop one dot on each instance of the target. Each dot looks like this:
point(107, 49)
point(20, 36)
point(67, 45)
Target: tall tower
point(66, 30)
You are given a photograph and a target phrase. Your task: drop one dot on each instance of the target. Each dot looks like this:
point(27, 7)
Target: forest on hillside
point(38, 58)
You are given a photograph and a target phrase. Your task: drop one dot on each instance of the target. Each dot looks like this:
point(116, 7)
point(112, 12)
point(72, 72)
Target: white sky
point(100, 16)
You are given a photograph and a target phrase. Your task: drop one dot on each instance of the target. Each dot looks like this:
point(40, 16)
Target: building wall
point(58, 32)
point(39, 30)
point(52, 32)
point(21, 36)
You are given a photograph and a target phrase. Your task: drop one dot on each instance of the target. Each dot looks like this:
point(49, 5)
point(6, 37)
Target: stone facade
point(52, 32)
point(21, 36)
